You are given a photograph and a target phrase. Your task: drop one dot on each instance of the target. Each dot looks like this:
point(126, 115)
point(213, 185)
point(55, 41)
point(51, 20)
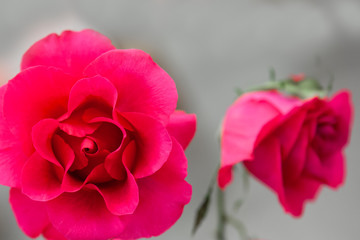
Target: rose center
point(326, 126)
point(89, 146)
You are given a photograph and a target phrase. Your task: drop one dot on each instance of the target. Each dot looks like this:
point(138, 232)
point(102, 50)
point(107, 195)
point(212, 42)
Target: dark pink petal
point(98, 175)
point(338, 121)
point(40, 179)
point(109, 135)
point(342, 107)
point(141, 84)
point(42, 135)
point(121, 197)
point(81, 161)
point(95, 170)
point(35, 94)
point(75, 127)
point(225, 176)
point(248, 121)
point(294, 163)
point(122, 121)
point(73, 182)
point(182, 126)
point(153, 144)
point(289, 131)
point(30, 215)
point(66, 156)
point(71, 51)
point(266, 165)
point(50, 233)
point(329, 170)
point(284, 104)
point(297, 194)
point(83, 216)
point(12, 159)
point(238, 139)
point(129, 155)
point(62, 152)
point(94, 112)
point(123, 239)
point(166, 189)
point(114, 161)
point(96, 88)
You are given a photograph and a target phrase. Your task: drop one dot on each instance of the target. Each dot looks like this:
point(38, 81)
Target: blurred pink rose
point(91, 144)
point(293, 146)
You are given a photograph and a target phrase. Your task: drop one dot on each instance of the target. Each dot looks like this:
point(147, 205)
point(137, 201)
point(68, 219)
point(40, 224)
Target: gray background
point(209, 48)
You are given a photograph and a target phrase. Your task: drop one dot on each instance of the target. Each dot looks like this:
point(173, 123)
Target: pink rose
point(293, 146)
point(91, 144)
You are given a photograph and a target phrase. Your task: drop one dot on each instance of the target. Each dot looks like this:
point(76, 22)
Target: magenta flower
point(293, 146)
point(91, 144)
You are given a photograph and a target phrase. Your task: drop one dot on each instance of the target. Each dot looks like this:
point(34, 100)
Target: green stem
point(220, 233)
point(239, 226)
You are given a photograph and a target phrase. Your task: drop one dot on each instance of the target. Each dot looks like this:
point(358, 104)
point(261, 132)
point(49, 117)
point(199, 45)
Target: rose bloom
point(91, 144)
point(293, 146)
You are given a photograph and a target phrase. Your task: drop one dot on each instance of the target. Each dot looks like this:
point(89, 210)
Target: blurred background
point(210, 48)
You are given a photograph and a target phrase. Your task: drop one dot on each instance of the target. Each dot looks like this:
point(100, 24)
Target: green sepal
point(239, 92)
point(306, 88)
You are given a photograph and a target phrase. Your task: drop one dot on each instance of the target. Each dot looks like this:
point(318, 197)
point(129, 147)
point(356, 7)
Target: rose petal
point(98, 175)
point(50, 233)
point(152, 141)
point(341, 113)
point(329, 170)
point(166, 188)
point(341, 105)
point(62, 152)
point(109, 134)
point(74, 126)
point(238, 140)
point(129, 155)
point(81, 161)
point(182, 126)
point(40, 179)
point(141, 84)
point(98, 88)
point(264, 111)
point(12, 159)
point(71, 51)
point(83, 216)
point(72, 181)
point(42, 135)
point(114, 161)
point(281, 102)
point(297, 193)
point(293, 164)
point(225, 176)
point(269, 171)
point(30, 215)
point(37, 87)
point(66, 156)
point(289, 131)
point(121, 197)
